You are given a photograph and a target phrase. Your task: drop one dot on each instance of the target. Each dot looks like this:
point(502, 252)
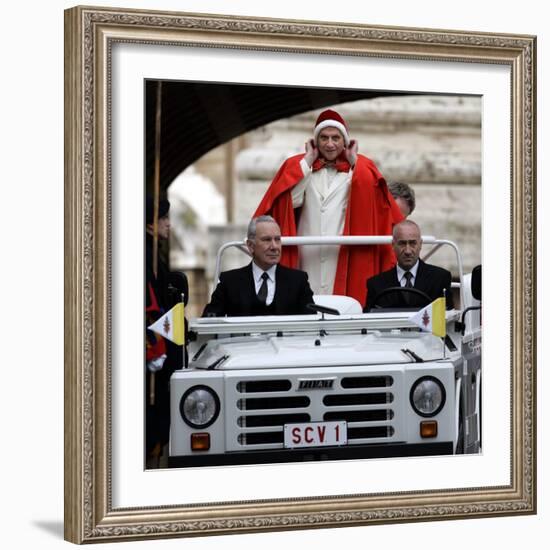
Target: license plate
point(315, 434)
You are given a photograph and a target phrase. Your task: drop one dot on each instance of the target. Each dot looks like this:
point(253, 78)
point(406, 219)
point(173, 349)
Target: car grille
point(259, 409)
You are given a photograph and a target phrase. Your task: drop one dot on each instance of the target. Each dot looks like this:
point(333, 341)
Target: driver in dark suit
point(410, 272)
point(263, 287)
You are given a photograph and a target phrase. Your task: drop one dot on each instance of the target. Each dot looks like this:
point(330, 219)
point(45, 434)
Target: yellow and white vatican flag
point(432, 318)
point(171, 325)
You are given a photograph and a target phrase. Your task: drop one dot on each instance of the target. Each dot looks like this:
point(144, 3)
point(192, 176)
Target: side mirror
point(476, 282)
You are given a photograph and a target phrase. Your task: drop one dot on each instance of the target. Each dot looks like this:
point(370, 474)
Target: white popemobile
point(334, 385)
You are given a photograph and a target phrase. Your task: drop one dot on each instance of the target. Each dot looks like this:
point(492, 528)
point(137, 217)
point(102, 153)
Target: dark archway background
point(197, 117)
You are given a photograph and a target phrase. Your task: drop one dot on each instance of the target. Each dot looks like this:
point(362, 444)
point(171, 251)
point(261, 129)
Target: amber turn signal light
point(428, 428)
point(200, 441)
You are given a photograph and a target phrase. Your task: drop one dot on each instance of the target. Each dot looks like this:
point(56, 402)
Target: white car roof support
point(353, 240)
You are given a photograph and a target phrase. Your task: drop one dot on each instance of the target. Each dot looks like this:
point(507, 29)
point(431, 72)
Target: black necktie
point(262, 293)
point(408, 284)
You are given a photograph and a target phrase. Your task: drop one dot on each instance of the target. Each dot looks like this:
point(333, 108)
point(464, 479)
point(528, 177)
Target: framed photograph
point(119, 63)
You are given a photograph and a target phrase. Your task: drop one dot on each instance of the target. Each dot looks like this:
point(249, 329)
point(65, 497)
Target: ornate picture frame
point(90, 34)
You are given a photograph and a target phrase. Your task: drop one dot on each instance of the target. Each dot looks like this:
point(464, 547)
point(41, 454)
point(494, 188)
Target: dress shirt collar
point(401, 272)
point(258, 271)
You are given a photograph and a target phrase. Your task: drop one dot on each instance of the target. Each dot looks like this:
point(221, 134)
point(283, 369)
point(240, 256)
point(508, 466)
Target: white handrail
point(352, 240)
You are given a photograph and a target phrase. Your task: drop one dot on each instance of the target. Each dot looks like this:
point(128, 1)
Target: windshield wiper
point(416, 358)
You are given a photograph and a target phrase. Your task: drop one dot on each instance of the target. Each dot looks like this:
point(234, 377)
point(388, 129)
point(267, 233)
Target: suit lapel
point(389, 279)
point(392, 277)
point(422, 279)
point(247, 289)
point(279, 288)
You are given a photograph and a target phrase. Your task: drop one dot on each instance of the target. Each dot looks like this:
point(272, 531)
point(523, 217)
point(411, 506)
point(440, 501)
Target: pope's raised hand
point(351, 152)
point(312, 153)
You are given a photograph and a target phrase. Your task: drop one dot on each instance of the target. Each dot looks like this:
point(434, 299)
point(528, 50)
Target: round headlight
point(199, 406)
point(427, 396)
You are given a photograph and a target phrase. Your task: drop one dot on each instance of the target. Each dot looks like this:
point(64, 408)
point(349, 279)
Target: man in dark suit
point(410, 272)
point(262, 287)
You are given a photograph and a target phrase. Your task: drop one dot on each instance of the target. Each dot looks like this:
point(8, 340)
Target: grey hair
point(403, 190)
point(251, 231)
point(402, 223)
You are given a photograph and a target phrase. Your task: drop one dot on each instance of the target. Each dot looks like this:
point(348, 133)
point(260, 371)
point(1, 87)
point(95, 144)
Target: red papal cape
point(371, 210)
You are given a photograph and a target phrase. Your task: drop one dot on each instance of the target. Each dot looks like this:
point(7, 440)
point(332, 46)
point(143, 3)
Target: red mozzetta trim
point(371, 211)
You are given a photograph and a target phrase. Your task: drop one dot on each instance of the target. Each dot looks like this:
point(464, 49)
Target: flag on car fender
point(432, 318)
point(171, 325)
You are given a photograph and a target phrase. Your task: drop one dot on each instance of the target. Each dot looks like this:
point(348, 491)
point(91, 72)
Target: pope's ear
point(351, 143)
point(312, 143)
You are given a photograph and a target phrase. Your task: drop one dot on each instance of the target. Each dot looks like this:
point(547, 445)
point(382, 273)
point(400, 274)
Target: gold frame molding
point(89, 36)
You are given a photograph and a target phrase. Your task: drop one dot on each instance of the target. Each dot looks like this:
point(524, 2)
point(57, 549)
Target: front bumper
point(355, 452)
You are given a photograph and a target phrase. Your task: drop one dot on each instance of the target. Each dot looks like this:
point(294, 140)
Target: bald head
point(407, 243)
